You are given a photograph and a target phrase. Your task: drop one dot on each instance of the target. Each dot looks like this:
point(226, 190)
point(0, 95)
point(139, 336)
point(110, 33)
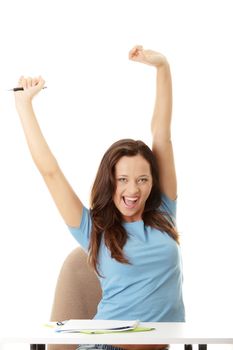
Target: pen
point(116, 328)
point(61, 323)
point(21, 88)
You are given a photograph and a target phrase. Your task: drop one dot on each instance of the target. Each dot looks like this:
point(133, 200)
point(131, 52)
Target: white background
point(95, 96)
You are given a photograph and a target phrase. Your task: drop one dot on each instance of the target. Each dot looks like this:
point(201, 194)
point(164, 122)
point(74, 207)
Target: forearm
point(41, 154)
point(161, 119)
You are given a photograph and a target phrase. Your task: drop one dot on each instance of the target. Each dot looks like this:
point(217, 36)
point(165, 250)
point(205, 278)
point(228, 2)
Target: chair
point(78, 293)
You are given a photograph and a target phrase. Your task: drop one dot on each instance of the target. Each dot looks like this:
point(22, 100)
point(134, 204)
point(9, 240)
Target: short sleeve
point(82, 233)
point(169, 206)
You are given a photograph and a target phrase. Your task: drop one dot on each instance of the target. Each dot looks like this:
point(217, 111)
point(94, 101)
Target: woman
point(129, 231)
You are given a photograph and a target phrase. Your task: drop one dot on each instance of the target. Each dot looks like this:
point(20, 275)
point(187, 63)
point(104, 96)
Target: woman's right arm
point(67, 202)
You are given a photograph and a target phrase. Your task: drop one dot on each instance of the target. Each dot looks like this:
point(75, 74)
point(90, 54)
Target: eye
point(142, 180)
point(122, 179)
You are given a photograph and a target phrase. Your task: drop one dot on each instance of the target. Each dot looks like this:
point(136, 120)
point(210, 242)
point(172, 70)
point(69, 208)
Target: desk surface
point(164, 333)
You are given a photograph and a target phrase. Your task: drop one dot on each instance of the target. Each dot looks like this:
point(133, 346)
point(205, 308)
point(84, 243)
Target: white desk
point(164, 333)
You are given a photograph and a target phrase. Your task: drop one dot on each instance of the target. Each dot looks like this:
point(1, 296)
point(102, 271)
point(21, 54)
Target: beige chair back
point(77, 293)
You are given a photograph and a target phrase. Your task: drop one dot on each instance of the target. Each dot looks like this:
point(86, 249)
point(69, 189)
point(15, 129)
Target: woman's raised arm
point(67, 202)
point(161, 119)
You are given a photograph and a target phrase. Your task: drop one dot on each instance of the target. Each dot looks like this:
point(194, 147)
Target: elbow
point(48, 169)
point(49, 173)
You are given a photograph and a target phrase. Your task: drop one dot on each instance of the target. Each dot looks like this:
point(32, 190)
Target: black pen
point(61, 323)
point(21, 88)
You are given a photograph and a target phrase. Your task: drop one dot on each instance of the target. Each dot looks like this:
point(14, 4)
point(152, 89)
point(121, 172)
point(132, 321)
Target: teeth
point(132, 199)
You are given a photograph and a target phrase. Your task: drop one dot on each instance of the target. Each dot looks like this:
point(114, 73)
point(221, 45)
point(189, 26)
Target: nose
point(132, 188)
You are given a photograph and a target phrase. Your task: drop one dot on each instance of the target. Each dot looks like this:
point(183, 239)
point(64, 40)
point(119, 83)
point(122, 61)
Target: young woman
point(129, 230)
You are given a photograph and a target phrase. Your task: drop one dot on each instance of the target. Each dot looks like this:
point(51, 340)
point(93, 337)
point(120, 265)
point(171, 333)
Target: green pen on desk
point(138, 329)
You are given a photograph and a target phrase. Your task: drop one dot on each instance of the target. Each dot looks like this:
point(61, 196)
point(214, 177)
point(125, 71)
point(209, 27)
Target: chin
point(131, 217)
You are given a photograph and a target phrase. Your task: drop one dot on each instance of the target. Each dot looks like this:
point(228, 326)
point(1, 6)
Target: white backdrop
point(95, 96)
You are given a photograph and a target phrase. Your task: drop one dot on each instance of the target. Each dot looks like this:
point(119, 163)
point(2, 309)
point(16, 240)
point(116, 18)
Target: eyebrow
point(144, 175)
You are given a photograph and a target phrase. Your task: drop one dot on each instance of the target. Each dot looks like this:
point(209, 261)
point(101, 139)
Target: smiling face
point(133, 186)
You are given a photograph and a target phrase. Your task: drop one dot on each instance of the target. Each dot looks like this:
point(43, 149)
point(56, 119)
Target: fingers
point(30, 82)
point(135, 51)
point(34, 81)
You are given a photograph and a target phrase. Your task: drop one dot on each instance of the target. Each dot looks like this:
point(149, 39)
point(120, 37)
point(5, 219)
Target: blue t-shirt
point(150, 289)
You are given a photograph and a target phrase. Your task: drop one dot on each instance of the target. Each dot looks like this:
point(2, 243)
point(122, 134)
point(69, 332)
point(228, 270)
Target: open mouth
point(130, 202)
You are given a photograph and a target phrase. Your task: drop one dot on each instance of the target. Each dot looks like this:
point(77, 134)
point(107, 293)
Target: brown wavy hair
point(107, 219)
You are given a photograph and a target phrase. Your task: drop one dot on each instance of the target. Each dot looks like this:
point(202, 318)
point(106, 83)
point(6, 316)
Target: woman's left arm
point(161, 119)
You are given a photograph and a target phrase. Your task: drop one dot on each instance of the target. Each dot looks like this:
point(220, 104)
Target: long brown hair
point(106, 218)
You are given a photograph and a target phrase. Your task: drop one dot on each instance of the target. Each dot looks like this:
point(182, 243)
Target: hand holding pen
point(28, 87)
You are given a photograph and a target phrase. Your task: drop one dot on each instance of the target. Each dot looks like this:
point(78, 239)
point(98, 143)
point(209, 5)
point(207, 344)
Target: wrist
point(159, 61)
point(22, 100)
point(23, 103)
point(163, 64)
